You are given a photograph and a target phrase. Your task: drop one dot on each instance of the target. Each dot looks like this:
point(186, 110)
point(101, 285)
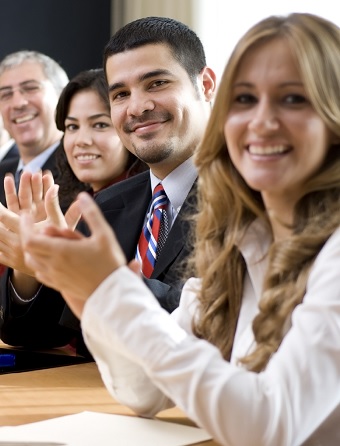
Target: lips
point(148, 120)
point(144, 125)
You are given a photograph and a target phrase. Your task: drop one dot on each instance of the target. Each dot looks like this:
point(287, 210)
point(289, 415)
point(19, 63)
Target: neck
point(30, 151)
point(163, 169)
point(280, 214)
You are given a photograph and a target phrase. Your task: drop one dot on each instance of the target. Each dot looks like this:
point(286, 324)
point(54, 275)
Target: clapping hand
point(38, 195)
point(68, 261)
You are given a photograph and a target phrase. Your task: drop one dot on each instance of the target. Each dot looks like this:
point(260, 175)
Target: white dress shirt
point(147, 357)
point(36, 163)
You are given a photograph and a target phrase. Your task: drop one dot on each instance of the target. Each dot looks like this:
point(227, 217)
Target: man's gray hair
point(52, 70)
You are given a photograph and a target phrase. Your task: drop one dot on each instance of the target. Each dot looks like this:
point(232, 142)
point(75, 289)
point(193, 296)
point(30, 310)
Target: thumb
point(73, 215)
point(100, 229)
point(92, 214)
point(52, 207)
point(134, 266)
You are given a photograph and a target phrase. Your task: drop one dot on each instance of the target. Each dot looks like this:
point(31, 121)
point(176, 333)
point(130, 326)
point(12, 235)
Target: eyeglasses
point(27, 89)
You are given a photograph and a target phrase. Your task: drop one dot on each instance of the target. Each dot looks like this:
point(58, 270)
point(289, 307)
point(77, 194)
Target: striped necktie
point(154, 232)
point(17, 177)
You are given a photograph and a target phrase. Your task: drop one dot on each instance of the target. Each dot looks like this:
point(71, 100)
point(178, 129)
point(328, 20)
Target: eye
point(30, 89)
point(118, 95)
point(5, 95)
point(245, 98)
point(158, 83)
point(295, 99)
point(71, 127)
point(101, 125)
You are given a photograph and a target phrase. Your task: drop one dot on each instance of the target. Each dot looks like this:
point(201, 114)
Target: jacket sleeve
point(35, 324)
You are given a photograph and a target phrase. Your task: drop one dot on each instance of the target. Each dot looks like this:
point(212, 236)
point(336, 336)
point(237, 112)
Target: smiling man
point(30, 85)
point(160, 90)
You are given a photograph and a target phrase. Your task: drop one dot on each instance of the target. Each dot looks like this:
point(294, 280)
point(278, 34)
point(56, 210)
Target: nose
point(264, 118)
point(18, 99)
point(139, 103)
point(83, 137)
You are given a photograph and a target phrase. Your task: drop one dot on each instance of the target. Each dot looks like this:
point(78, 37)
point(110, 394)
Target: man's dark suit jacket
point(10, 166)
point(12, 153)
point(124, 205)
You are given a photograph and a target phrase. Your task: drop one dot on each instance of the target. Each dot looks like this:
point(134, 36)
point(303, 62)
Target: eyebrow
point(282, 85)
point(99, 115)
point(29, 81)
point(143, 77)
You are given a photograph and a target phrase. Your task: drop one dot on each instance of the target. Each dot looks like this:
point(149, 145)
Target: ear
point(208, 83)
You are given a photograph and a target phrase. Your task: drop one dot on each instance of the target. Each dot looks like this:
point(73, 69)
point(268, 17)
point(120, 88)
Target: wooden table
point(42, 394)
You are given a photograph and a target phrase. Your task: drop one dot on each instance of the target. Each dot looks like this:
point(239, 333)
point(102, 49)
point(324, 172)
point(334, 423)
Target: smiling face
point(275, 138)
point(159, 114)
point(93, 149)
point(28, 108)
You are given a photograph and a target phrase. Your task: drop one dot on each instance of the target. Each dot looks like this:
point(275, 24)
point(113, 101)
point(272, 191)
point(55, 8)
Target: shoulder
point(13, 152)
point(8, 165)
point(331, 249)
point(126, 186)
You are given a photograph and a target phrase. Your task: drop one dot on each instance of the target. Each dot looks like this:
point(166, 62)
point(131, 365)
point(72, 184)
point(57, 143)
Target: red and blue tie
point(152, 235)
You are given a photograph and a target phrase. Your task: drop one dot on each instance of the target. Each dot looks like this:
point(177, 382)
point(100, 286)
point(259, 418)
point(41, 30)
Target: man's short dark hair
point(184, 43)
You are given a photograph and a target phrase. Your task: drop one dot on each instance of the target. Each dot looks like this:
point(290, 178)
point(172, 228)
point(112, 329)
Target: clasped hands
point(36, 239)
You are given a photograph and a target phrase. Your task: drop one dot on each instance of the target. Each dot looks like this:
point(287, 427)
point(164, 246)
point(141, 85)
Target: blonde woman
point(253, 352)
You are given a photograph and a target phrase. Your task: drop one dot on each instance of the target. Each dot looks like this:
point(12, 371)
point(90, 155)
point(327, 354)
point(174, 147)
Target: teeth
point(86, 157)
point(24, 119)
point(268, 150)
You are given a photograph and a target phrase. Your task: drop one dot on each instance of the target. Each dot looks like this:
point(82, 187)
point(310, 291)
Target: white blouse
point(148, 358)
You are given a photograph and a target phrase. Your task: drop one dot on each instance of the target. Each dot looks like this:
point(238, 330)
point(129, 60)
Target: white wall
point(220, 23)
point(128, 10)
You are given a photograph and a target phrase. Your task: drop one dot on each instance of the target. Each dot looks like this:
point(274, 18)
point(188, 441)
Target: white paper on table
point(100, 429)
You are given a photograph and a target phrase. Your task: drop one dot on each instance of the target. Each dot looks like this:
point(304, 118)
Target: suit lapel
point(50, 164)
point(125, 211)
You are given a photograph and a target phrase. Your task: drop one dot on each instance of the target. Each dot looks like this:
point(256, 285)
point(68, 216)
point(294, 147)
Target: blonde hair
point(227, 205)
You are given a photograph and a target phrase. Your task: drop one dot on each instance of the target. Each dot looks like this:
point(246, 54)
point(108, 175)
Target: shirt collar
point(36, 163)
point(255, 242)
point(178, 183)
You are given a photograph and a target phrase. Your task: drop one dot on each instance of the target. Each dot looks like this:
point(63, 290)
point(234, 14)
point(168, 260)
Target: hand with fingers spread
point(37, 195)
point(30, 197)
point(69, 262)
point(31, 193)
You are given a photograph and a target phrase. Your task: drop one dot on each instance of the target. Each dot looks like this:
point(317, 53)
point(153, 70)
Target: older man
point(30, 84)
